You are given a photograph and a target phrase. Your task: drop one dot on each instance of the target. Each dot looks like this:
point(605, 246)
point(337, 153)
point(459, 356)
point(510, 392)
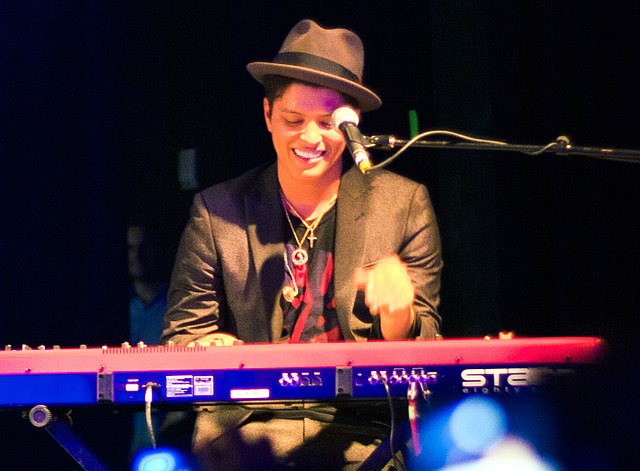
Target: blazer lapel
point(350, 239)
point(265, 220)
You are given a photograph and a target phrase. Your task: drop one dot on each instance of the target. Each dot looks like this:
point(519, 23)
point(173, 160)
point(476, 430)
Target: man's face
point(135, 239)
point(146, 254)
point(307, 146)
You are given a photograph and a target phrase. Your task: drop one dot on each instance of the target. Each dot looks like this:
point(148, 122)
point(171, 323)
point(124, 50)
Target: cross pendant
point(312, 238)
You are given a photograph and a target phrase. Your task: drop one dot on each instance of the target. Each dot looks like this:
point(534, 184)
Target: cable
point(561, 145)
point(148, 399)
point(387, 390)
point(414, 416)
point(411, 141)
point(562, 142)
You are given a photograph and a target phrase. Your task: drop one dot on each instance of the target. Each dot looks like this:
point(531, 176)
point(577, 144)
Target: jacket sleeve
point(196, 290)
point(420, 249)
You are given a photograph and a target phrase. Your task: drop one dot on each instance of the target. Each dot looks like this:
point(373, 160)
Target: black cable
point(396, 463)
point(561, 146)
point(414, 139)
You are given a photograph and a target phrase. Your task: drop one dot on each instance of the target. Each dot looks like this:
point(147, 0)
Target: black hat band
point(302, 59)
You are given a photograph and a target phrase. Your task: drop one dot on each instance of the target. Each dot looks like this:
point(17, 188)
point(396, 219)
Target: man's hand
point(388, 291)
point(216, 339)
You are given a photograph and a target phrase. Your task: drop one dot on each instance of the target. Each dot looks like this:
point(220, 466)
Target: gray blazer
point(229, 267)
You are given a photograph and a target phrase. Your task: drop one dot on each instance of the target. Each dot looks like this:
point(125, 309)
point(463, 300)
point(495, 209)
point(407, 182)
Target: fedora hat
point(331, 58)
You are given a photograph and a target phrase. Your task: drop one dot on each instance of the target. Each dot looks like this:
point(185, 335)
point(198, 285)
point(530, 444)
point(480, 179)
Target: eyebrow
point(287, 110)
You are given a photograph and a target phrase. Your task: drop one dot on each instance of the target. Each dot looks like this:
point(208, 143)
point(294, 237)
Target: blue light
point(477, 423)
point(158, 460)
point(460, 432)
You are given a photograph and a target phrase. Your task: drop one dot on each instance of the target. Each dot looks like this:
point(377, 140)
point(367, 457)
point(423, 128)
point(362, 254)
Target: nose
point(311, 133)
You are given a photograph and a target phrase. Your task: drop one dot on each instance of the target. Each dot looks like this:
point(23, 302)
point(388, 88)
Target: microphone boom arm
point(561, 146)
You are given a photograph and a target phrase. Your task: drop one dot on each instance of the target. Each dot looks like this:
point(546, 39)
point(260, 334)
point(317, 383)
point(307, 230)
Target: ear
point(266, 109)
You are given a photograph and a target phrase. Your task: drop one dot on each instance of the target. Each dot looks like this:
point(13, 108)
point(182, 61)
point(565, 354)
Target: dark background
point(98, 98)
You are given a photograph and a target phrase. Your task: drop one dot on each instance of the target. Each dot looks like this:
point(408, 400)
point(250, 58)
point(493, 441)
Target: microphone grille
point(342, 115)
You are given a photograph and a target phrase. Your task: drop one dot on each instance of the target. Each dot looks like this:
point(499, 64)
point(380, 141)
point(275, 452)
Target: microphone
point(345, 120)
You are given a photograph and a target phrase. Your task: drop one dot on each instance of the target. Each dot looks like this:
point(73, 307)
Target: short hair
point(276, 85)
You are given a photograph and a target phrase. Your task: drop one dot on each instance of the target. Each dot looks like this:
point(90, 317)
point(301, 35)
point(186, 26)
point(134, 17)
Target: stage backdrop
point(98, 99)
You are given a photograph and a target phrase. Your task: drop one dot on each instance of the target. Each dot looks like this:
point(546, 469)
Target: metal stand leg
point(41, 417)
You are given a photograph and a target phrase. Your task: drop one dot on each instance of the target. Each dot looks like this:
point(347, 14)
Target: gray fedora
point(331, 58)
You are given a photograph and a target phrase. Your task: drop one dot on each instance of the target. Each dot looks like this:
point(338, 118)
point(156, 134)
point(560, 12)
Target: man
point(149, 270)
point(304, 250)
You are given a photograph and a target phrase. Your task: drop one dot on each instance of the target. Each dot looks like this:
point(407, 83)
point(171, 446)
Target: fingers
point(386, 285)
point(216, 339)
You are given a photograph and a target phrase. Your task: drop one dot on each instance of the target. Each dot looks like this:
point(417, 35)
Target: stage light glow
point(159, 460)
point(156, 461)
point(509, 454)
point(476, 424)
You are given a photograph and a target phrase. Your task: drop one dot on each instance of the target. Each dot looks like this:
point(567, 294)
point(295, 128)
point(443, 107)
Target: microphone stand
point(561, 146)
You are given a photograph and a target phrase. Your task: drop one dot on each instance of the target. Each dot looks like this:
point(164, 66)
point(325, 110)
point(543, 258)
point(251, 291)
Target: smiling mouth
point(309, 155)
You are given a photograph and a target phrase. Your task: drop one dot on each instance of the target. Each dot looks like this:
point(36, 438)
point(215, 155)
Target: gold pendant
point(299, 256)
point(312, 238)
point(289, 293)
